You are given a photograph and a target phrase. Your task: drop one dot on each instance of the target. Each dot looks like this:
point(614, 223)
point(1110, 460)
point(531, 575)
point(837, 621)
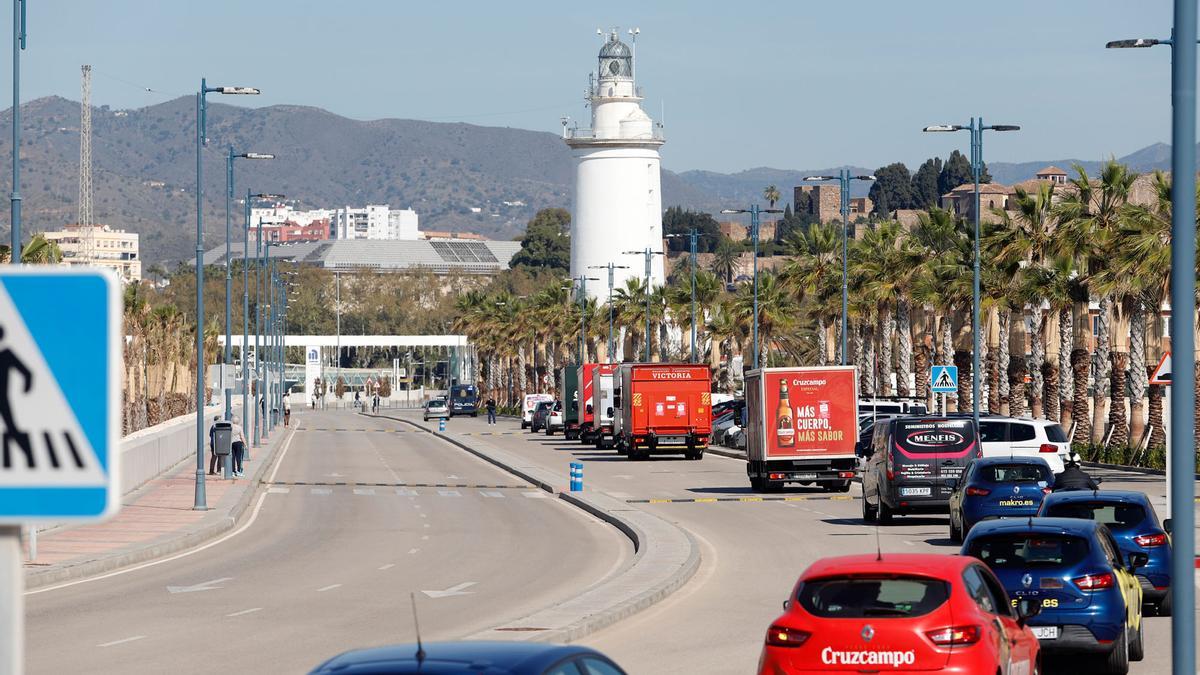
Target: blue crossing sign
point(60, 390)
point(943, 379)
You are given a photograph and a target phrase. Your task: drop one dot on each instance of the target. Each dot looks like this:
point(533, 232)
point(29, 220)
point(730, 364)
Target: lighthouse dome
point(616, 59)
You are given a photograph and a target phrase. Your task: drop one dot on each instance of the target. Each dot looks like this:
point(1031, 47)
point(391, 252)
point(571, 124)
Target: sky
point(797, 84)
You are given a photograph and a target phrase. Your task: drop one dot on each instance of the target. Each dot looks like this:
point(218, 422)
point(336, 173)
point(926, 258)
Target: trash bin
point(223, 438)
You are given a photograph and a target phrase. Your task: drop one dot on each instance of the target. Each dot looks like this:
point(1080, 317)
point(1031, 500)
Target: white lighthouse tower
point(618, 194)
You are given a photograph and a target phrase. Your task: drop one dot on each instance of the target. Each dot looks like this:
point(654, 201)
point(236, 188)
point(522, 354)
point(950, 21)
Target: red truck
point(664, 408)
point(802, 425)
point(593, 376)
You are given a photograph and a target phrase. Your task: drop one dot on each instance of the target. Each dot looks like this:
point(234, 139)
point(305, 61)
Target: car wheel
point(870, 514)
point(1137, 648)
point(426, 418)
point(1164, 605)
point(1117, 661)
point(955, 534)
point(524, 424)
point(885, 513)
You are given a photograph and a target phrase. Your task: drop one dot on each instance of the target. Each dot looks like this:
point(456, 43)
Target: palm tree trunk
point(1037, 359)
point(921, 372)
point(962, 359)
point(870, 364)
point(856, 353)
point(904, 344)
point(1081, 363)
point(1119, 421)
point(1004, 362)
point(522, 374)
point(946, 347)
point(822, 343)
point(1138, 379)
point(885, 351)
point(1103, 384)
point(991, 367)
point(1050, 384)
point(1158, 433)
point(1066, 379)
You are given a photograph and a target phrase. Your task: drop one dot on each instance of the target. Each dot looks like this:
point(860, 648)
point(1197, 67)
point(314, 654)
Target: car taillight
point(782, 636)
point(1047, 490)
point(955, 635)
point(1150, 540)
point(1048, 447)
point(1094, 582)
point(978, 491)
point(891, 462)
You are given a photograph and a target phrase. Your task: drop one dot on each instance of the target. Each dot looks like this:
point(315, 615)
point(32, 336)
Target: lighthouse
point(618, 188)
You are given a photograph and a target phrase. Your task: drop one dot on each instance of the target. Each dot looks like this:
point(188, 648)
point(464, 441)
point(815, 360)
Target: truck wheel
point(695, 453)
point(771, 486)
point(870, 514)
point(844, 487)
point(756, 484)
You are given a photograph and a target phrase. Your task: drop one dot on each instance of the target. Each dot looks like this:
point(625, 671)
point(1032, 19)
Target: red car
point(901, 612)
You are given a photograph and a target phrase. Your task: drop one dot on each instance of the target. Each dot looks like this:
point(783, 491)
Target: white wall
point(147, 453)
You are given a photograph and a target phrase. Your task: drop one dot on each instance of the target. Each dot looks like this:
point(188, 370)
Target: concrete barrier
point(147, 453)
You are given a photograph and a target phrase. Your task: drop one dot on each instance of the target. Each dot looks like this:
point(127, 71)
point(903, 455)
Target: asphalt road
point(752, 551)
point(326, 567)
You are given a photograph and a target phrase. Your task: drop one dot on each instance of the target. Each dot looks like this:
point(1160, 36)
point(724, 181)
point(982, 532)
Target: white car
point(529, 404)
point(437, 409)
point(1005, 436)
point(555, 421)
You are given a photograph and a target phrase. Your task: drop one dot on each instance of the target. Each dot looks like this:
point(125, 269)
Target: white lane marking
point(452, 591)
point(245, 612)
point(424, 515)
point(623, 475)
point(453, 477)
point(121, 642)
point(424, 537)
point(279, 490)
point(405, 492)
point(413, 551)
point(364, 491)
point(621, 495)
point(448, 493)
point(387, 566)
point(203, 586)
point(910, 543)
point(335, 475)
point(330, 587)
point(426, 525)
point(321, 491)
point(245, 526)
point(535, 495)
point(493, 495)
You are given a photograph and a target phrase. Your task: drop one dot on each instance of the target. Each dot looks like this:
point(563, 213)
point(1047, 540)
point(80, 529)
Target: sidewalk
point(155, 520)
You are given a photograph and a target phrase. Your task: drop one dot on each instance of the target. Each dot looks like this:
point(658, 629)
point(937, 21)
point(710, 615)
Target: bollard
point(441, 424)
point(576, 477)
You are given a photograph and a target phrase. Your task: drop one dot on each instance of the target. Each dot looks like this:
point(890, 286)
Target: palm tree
point(629, 301)
point(815, 275)
point(943, 283)
point(725, 259)
point(771, 194)
point(724, 332)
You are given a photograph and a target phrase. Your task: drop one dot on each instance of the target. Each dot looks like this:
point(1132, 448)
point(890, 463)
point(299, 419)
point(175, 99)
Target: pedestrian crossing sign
point(943, 379)
point(60, 390)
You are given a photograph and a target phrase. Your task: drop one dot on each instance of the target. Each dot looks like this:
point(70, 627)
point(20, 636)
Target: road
point(752, 551)
point(327, 565)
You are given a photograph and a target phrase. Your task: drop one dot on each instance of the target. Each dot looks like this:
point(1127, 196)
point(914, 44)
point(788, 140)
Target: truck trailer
point(665, 408)
point(802, 425)
point(592, 413)
point(570, 395)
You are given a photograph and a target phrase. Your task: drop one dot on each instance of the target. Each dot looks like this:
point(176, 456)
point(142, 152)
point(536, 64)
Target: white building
point(402, 224)
point(99, 246)
point(374, 221)
point(282, 213)
point(618, 194)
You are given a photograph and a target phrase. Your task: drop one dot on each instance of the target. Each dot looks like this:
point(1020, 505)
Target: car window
point(992, 432)
point(859, 597)
point(998, 593)
point(978, 590)
point(1015, 473)
point(594, 666)
point(1016, 551)
point(1055, 434)
point(1111, 550)
point(1021, 432)
point(1117, 516)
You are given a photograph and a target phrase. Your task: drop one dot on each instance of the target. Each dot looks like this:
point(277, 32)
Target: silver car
point(437, 408)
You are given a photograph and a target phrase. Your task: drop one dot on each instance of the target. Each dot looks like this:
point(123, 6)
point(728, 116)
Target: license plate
point(806, 476)
point(672, 440)
point(1045, 632)
point(915, 491)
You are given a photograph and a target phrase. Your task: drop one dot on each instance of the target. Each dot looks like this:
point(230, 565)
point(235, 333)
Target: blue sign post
point(60, 391)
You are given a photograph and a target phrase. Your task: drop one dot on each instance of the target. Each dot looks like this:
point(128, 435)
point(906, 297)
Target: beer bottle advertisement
point(811, 411)
point(785, 430)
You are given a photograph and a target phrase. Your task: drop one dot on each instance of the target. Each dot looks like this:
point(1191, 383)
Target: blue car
point(997, 487)
point(1091, 602)
point(472, 658)
point(1131, 519)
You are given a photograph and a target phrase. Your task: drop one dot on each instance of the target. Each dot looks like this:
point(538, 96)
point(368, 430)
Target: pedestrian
point(212, 447)
point(287, 411)
point(491, 410)
point(357, 400)
point(238, 448)
point(375, 404)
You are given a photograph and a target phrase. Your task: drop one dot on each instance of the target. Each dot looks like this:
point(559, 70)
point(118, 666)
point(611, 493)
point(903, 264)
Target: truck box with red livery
point(664, 408)
point(802, 427)
point(592, 375)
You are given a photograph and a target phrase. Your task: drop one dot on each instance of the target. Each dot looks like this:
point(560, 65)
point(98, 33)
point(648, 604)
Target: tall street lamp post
point(260, 337)
point(201, 502)
point(692, 235)
point(246, 313)
point(14, 256)
point(843, 179)
point(649, 253)
point(227, 361)
point(976, 127)
point(754, 211)
point(1181, 488)
point(610, 267)
point(582, 291)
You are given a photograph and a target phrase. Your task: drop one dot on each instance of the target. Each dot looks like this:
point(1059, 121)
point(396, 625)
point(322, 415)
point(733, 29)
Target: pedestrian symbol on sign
point(944, 379)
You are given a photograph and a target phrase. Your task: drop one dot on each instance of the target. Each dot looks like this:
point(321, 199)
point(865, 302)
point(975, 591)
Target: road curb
point(1134, 469)
point(35, 578)
point(665, 558)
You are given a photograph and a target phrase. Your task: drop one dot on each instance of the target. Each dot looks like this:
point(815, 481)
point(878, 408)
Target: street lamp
point(201, 501)
point(228, 356)
point(754, 211)
point(692, 235)
point(583, 279)
point(1181, 490)
point(843, 179)
point(610, 267)
point(649, 253)
point(246, 313)
point(976, 127)
point(14, 255)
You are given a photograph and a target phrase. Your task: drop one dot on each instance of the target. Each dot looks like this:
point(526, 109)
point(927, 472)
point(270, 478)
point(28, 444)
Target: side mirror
point(1027, 608)
point(786, 604)
point(1137, 560)
point(1098, 479)
point(1167, 526)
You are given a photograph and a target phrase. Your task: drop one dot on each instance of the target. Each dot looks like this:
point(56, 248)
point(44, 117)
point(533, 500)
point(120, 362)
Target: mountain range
point(458, 177)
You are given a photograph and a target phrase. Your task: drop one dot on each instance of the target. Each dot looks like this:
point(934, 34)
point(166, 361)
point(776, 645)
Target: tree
point(725, 259)
point(771, 194)
point(957, 171)
point(547, 242)
point(892, 188)
point(925, 192)
point(677, 220)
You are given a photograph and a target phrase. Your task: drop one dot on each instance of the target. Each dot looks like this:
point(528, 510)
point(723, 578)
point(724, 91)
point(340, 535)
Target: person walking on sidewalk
point(357, 400)
point(491, 410)
point(287, 411)
point(375, 404)
point(212, 446)
point(238, 447)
